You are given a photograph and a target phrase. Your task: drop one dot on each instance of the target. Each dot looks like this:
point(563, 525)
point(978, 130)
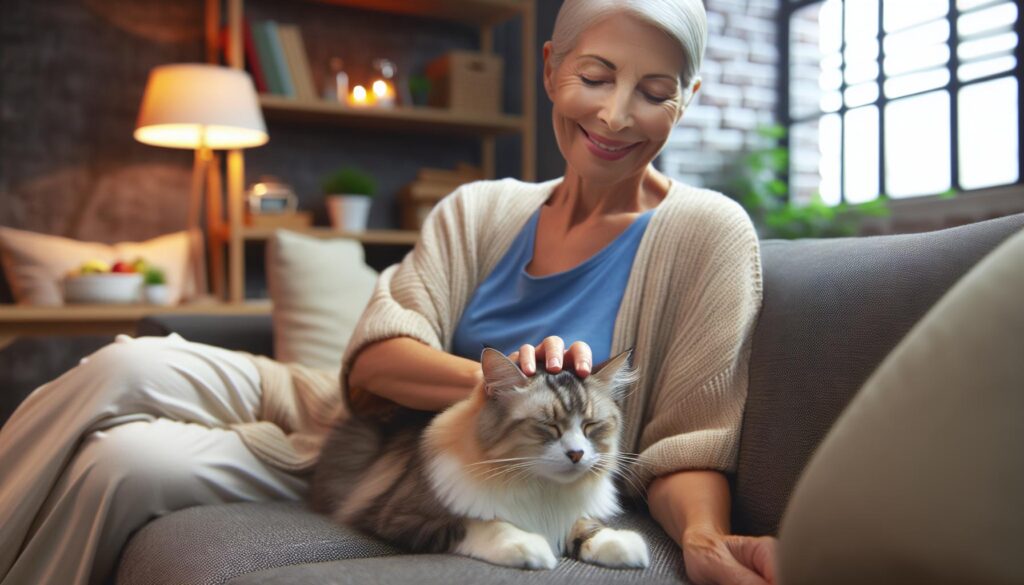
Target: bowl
point(106, 288)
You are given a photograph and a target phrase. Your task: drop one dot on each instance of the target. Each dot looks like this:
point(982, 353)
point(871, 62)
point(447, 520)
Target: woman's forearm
point(688, 503)
point(414, 375)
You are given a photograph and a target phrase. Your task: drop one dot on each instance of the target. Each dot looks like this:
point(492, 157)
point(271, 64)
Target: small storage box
point(466, 81)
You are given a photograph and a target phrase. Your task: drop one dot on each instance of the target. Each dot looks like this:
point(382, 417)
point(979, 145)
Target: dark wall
point(72, 73)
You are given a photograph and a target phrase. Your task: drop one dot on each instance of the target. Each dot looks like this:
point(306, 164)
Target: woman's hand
point(715, 558)
point(552, 353)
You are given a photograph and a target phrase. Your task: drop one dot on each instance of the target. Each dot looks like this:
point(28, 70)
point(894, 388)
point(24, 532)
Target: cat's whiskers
point(508, 469)
point(505, 460)
point(611, 462)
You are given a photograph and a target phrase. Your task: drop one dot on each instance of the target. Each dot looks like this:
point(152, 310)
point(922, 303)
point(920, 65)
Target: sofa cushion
point(920, 479)
point(284, 543)
point(210, 544)
point(35, 264)
point(833, 309)
point(319, 289)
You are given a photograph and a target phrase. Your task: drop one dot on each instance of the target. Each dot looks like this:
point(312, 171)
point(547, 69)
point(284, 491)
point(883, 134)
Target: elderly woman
point(611, 256)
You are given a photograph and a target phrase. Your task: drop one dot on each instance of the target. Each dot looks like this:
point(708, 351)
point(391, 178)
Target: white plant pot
point(349, 212)
point(156, 294)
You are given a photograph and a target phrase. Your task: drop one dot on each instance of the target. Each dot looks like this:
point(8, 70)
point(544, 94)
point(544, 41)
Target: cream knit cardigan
point(689, 310)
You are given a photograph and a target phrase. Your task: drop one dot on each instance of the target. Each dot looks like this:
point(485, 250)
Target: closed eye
point(548, 430)
point(590, 427)
point(596, 82)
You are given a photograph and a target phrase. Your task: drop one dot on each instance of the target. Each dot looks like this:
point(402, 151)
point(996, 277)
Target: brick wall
point(738, 93)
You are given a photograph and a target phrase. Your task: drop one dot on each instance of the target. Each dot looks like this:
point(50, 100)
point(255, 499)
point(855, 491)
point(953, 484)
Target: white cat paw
point(616, 549)
point(524, 550)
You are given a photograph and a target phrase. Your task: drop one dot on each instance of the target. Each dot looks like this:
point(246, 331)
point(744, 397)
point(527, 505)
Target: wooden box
point(296, 220)
point(466, 81)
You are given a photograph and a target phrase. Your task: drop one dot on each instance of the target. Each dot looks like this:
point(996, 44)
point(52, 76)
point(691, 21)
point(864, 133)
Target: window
point(901, 97)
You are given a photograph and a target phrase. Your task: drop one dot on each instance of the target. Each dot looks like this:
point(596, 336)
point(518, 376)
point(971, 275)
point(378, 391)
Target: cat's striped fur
point(520, 471)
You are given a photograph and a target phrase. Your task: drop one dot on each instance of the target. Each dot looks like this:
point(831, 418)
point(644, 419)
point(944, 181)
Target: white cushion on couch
point(319, 289)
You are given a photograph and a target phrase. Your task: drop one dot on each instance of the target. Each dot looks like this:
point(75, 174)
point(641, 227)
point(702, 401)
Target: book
point(277, 55)
point(298, 62)
point(252, 58)
point(271, 75)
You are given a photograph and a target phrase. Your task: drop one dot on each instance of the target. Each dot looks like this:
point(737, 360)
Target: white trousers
point(134, 431)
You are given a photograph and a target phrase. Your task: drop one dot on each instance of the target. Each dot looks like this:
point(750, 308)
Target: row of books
point(275, 57)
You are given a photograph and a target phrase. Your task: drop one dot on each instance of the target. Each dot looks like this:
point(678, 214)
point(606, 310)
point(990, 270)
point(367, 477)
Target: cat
point(523, 467)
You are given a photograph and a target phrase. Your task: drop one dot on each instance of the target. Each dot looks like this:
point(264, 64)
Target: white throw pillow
point(35, 264)
point(319, 289)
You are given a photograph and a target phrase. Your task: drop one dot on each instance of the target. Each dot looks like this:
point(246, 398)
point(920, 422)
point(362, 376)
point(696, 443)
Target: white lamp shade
point(193, 105)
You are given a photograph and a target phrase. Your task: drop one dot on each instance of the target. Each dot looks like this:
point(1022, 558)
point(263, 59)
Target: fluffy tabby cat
point(518, 472)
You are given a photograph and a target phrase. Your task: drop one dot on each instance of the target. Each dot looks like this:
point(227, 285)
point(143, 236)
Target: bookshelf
point(406, 119)
point(229, 233)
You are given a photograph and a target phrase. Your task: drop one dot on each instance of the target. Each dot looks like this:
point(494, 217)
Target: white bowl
point(114, 287)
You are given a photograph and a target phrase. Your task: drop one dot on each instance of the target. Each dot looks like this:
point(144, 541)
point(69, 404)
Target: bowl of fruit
point(97, 281)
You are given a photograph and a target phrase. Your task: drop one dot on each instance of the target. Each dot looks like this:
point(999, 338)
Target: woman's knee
point(128, 365)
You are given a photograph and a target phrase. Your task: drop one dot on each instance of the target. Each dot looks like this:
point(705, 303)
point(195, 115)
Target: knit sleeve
point(696, 405)
point(419, 297)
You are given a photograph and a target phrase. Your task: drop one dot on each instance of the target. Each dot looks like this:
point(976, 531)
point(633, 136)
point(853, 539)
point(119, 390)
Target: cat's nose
point(574, 456)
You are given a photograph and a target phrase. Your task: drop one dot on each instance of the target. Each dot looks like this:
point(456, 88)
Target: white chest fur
point(537, 506)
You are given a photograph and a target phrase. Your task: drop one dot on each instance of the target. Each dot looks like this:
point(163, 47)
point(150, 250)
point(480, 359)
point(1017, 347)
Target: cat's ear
point(615, 375)
point(500, 373)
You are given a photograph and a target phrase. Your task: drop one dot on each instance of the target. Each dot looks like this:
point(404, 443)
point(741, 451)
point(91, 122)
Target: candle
point(383, 93)
point(359, 97)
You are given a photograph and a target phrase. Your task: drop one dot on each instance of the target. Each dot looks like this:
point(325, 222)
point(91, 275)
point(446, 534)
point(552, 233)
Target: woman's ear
point(549, 71)
point(693, 92)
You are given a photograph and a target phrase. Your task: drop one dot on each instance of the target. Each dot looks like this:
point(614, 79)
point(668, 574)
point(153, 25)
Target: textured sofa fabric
point(832, 310)
point(286, 543)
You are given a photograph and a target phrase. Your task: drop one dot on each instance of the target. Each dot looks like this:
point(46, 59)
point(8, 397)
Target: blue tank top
point(511, 307)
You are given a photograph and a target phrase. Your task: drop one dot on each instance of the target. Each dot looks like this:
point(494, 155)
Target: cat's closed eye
point(548, 430)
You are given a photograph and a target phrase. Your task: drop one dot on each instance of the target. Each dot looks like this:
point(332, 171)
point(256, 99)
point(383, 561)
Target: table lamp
point(201, 107)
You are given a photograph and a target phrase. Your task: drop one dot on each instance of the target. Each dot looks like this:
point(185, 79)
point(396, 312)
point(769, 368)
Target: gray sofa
point(832, 311)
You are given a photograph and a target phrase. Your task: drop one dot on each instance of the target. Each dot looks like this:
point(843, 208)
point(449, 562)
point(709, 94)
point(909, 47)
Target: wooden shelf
point(106, 319)
point(396, 237)
point(474, 12)
point(412, 119)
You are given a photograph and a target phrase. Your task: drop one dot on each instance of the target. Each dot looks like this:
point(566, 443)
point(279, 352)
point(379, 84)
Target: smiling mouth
point(605, 147)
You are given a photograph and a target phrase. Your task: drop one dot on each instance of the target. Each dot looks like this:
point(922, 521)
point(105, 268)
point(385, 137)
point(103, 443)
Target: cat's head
point(553, 426)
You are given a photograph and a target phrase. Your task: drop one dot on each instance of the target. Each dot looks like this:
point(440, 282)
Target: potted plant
point(756, 181)
point(348, 194)
point(155, 289)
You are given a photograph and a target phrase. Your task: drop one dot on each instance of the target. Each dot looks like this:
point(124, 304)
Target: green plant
point(419, 88)
point(757, 183)
point(154, 276)
point(349, 181)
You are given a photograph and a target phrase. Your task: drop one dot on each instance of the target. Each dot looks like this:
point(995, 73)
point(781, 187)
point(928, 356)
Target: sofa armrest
point(251, 333)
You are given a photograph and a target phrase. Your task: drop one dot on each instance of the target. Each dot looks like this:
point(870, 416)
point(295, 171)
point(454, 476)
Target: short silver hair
point(685, 21)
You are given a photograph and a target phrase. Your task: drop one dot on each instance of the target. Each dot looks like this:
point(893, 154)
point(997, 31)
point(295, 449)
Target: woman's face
point(616, 97)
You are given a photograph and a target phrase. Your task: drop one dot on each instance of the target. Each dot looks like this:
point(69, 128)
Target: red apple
point(122, 266)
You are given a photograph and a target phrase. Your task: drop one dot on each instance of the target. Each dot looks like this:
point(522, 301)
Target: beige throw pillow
point(35, 264)
point(319, 289)
point(920, 480)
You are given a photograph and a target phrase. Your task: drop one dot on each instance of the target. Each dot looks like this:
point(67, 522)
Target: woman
point(150, 425)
